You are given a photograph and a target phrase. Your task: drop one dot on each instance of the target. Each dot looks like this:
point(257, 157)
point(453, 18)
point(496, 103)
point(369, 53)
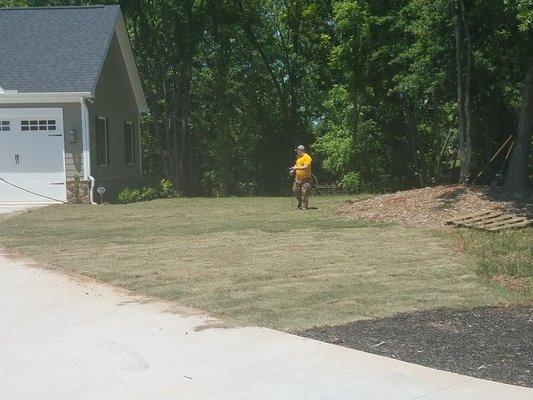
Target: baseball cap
point(300, 147)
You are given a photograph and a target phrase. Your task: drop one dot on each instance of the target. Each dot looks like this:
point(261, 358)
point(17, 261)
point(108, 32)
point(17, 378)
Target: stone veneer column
point(82, 190)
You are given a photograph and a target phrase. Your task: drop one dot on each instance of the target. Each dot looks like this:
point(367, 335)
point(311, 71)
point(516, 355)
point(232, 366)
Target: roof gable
point(61, 49)
point(54, 49)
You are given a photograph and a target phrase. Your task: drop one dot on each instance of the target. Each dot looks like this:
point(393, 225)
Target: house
point(70, 100)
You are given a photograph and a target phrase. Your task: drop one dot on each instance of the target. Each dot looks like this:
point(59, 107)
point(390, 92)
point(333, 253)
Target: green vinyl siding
point(115, 101)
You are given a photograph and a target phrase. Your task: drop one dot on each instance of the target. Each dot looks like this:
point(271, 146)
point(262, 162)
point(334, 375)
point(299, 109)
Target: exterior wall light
point(72, 136)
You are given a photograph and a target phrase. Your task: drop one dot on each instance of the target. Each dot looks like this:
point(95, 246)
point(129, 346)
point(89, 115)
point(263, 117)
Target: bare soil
point(488, 343)
point(431, 207)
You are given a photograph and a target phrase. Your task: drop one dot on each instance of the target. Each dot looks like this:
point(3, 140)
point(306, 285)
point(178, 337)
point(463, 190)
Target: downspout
point(86, 148)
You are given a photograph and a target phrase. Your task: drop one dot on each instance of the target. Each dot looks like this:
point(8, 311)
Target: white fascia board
point(131, 67)
point(35, 113)
point(51, 97)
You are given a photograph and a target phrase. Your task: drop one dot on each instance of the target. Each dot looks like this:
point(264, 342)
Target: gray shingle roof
point(54, 49)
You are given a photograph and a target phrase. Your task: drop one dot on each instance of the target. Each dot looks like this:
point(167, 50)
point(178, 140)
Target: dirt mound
point(430, 207)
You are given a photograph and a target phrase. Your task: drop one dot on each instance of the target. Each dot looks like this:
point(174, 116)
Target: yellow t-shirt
point(305, 159)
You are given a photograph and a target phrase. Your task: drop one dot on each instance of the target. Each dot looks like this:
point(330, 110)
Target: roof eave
point(131, 67)
point(13, 96)
point(129, 60)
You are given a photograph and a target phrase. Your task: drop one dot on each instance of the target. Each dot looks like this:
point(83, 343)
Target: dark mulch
point(487, 343)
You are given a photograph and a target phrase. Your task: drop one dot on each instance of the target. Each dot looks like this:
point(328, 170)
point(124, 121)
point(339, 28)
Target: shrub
point(212, 184)
point(129, 195)
point(350, 182)
point(161, 189)
point(166, 189)
point(246, 188)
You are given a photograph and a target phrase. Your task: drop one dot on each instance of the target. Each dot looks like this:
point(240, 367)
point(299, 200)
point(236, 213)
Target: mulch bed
point(431, 207)
point(488, 343)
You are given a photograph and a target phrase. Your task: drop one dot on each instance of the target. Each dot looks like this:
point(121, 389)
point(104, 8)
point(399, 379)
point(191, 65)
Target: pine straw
point(429, 207)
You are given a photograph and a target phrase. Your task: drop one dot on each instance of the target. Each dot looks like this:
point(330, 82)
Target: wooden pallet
point(491, 221)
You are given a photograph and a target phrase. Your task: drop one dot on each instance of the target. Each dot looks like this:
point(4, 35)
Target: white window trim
point(106, 141)
point(46, 125)
point(16, 115)
point(132, 150)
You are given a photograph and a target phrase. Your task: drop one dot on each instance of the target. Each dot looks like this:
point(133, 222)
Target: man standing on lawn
point(302, 177)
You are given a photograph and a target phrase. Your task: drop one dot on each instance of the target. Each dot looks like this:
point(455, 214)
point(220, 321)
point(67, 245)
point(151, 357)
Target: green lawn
point(256, 260)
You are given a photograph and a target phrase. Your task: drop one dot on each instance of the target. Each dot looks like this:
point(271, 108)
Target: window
point(38, 125)
point(129, 143)
point(5, 126)
point(102, 141)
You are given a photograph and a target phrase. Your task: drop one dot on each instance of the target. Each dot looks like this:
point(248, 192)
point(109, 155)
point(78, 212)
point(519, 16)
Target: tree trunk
point(436, 175)
point(467, 166)
point(179, 135)
point(516, 176)
point(414, 139)
point(463, 92)
point(459, 74)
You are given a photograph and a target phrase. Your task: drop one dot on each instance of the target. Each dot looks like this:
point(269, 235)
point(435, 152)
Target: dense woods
point(387, 94)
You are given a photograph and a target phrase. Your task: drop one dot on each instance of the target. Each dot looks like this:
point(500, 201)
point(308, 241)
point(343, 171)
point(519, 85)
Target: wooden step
point(515, 225)
point(508, 221)
point(501, 218)
point(491, 221)
point(465, 217)
point(481, 217)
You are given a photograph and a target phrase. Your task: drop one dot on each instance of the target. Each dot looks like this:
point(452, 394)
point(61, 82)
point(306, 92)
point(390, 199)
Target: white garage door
point(32, 161)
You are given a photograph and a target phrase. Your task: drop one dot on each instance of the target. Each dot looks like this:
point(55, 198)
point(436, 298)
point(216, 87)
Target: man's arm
point(302, 168)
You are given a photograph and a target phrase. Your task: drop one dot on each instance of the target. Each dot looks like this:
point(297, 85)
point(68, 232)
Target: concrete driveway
point(68, 337)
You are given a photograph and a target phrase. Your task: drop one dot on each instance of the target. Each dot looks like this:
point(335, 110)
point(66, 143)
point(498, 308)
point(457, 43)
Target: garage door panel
point(31, 154)
point(32, 162)
point(32, 193)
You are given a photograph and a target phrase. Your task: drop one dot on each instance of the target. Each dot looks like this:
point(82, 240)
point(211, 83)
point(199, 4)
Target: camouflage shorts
point(302, 189)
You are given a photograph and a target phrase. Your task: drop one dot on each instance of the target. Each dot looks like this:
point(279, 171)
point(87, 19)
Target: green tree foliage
point(388, 94)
